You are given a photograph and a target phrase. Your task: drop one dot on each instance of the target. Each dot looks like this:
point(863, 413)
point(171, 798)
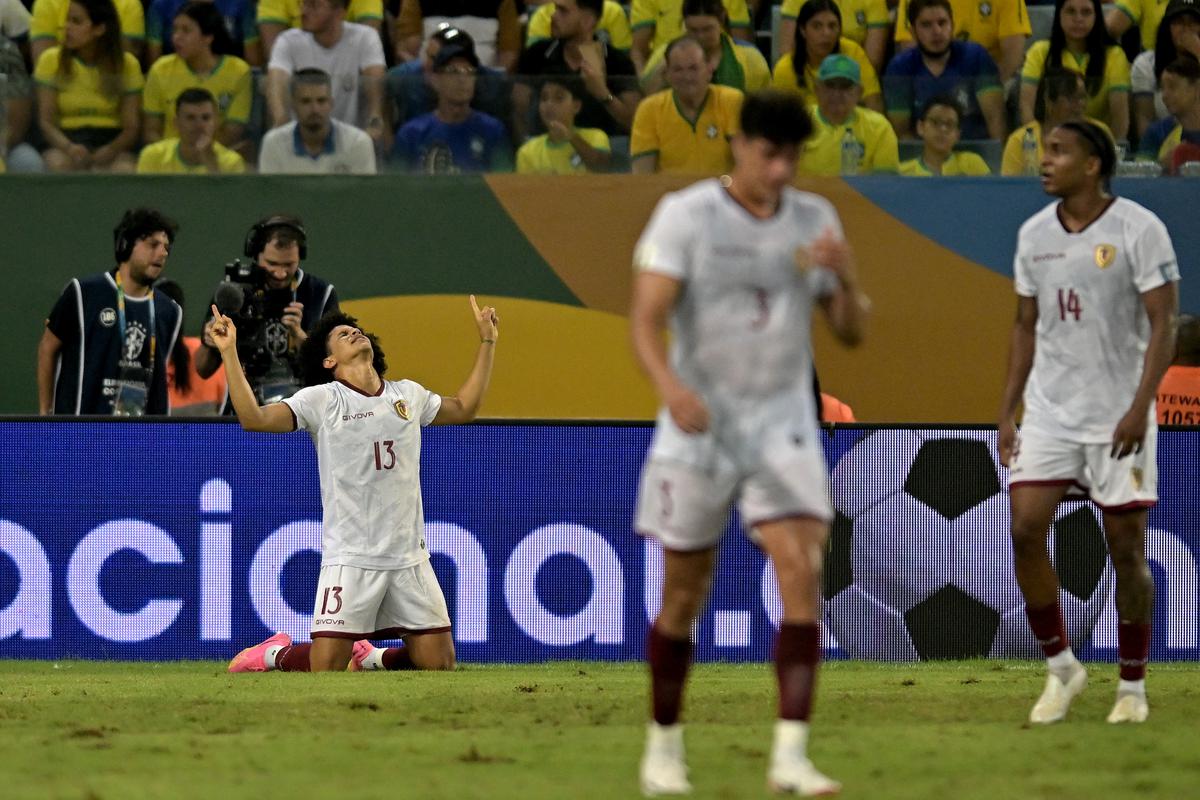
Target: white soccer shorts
point(1113, 484)
point(357, 603)
point(686, 507)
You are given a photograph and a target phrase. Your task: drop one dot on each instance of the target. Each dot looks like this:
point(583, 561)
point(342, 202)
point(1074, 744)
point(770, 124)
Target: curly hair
point(315, 349)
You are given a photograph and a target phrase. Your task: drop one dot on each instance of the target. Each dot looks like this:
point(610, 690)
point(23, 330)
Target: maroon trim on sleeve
point(292, 411)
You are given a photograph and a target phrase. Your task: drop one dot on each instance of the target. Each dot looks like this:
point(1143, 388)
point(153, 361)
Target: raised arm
point(273, 418)
point(1020, 361)
point(464, 405)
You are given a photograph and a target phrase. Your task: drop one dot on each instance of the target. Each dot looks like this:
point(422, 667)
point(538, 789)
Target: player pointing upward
point(735, 267)
point(376, 580)
point(1096, 280)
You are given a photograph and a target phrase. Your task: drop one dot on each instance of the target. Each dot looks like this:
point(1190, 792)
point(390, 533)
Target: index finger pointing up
point(474, 306)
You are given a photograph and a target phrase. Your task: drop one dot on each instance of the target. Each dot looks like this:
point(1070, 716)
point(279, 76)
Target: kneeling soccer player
point(735, 266)
point(376, 581)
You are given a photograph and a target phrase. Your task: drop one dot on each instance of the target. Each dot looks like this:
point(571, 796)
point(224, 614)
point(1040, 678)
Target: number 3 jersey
point(368, 456)
point(1092, 328)
point(741, 326)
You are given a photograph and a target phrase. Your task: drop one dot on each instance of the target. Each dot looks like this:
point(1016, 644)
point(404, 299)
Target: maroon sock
point(293, 658)
point(395, 658)
point(797, 653)
point(1048, 628)
point(669, 661)
point(1133, 647)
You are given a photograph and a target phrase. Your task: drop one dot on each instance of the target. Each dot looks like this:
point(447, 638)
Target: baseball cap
point(1177, 7)
point(839, 66)
point(453, 50)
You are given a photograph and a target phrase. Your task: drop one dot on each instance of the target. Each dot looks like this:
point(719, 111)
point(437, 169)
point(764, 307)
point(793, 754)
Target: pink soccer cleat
point(362, 649)
point(254, 659)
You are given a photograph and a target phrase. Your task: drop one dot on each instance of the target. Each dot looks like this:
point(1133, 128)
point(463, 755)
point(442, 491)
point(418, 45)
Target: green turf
point(570, 730)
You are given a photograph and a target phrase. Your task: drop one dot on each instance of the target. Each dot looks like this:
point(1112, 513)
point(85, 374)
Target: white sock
point(664, 738)
point(269, 658)
point(1132, 687)
point(1063, 664)
point(374, 659)
point(791, 736)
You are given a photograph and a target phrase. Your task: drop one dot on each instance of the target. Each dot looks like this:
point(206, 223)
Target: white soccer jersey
point(1092, 328)
point(368, 456)
point(741, 327)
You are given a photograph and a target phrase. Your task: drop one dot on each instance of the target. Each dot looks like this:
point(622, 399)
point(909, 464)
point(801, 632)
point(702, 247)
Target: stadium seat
point(1041, 18)
point(776, 20)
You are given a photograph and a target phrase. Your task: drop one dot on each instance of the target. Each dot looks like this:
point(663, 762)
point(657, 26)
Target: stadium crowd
point(918, 87)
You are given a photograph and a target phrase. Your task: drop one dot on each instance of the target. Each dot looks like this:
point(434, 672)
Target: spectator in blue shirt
point(940, 65)
point(454, 137)
point(409, 84)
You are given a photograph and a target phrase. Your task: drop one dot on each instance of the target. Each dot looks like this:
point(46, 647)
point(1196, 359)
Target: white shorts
point(356, 603)
point(686, 507)
point(1114, 484)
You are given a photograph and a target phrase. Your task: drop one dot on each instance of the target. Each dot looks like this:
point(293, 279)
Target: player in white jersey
point(1096, 279)
point(734, 267)
point(376, 580)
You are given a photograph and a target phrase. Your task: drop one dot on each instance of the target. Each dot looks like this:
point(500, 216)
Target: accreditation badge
point(132, 388)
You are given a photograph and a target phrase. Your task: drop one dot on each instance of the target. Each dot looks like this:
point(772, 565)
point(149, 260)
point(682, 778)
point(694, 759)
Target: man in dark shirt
point(611, 95)
point(273, 306)
point(109, 335)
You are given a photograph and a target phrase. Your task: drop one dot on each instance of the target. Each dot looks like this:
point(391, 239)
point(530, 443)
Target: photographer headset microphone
point(229, 298)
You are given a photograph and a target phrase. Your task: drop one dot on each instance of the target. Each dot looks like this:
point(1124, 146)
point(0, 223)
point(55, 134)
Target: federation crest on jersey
point(860, 17)
point(1105, 254)
point(401, 407)
point(711, 132)
point(985, 9)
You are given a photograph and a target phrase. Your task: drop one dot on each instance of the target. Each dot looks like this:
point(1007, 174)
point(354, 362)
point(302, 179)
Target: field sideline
point(102, 730)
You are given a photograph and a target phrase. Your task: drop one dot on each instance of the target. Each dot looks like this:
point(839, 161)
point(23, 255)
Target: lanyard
point(121, 321)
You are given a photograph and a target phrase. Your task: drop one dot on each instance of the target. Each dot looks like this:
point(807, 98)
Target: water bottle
point(1029, 153)
point(851, 152)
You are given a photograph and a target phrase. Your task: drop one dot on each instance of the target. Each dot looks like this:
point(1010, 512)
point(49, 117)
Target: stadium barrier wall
point(157, 541)
point(554, 255)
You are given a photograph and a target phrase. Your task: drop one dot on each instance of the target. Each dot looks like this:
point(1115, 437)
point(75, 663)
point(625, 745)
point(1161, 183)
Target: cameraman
point(274, 302)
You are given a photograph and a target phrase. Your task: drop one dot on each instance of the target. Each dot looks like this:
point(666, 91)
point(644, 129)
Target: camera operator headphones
point(260, 235)
point(122, 244)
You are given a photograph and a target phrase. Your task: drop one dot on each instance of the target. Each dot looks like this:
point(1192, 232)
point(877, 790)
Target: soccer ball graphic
point(920, 564)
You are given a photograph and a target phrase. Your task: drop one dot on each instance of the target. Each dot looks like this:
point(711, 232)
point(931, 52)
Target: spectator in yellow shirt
point(1080, 42)
point(196, 150)
point(864, 22)
point(687, 127)
point(819, 35)
point(939, 127)
point(657, 23)
point(201, 60)
point(1146, 14)
point(847, 139)
point(1062, 97)
point(1000, 26)
point(738, 66)
point(49, 23)
point(276, 16)
point(563, 149)
point(612, 29)
point(89, 93)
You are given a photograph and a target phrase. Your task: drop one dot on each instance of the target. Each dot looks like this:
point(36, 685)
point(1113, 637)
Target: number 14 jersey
point(368, 457)
point(1092, 328)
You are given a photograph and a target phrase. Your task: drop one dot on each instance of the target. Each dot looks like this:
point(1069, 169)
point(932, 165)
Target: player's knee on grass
point(431, 651)
point(329, 654)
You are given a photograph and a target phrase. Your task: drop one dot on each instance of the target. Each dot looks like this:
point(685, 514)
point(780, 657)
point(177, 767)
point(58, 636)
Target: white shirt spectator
point(1141, 80)
point(348, 151)
point(14, 19)
point(358, 49)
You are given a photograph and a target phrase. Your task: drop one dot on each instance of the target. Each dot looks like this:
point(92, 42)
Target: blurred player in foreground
point(376, 581)
point(1096, 279)
point(734, 266)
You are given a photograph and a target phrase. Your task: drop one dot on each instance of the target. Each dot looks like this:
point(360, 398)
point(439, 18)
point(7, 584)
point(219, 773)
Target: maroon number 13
point(380, 463)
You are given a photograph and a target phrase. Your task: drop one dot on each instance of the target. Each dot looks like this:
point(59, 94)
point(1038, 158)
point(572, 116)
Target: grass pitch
point(571, 730)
